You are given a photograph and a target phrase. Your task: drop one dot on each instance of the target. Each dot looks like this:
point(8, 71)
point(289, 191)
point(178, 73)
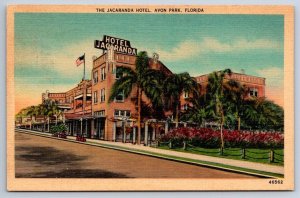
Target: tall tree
point(142, 79)
point(174, 86)
point(215, 91)
point(235, 96)
point(196, 112)
point(262, 114)
point(32, 112)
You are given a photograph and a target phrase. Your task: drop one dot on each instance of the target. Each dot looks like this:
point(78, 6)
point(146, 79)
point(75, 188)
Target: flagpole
point(84, 66)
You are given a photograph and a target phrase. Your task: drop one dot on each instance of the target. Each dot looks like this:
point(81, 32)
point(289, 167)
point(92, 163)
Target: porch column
point(114, 131)
point(133, 135)
point(86, 123)
point(166, 127)
point(146, 134)
point(92, 128)
point(99, 128)
point(73, 128)
point(68, 126)
point(81, 126)
point(124, 131)
point(64, 118)
point(153, 133)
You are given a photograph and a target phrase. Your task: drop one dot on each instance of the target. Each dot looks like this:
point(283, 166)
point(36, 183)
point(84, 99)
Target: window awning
point(78, 97)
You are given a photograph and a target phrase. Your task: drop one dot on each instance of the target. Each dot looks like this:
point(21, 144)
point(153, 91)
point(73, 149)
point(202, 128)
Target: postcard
point(150, 98)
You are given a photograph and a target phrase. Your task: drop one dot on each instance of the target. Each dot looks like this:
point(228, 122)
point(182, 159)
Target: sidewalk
point(215, 162)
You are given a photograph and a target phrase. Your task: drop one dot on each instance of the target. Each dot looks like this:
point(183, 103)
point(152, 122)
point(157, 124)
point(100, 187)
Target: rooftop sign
point(119, 45)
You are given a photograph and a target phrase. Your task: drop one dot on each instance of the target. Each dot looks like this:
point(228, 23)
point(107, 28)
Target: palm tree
point(53, 110)
point(174, 86)
point(144, 80)
point(20, 115)
point(32, 112)
point(215, 91)
point(50, 108)
point(42, 111)
point(235, 95)
point(263, 114)
point(197, 112)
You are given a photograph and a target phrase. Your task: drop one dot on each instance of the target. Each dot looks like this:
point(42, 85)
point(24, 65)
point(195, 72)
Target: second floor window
point(119, 74)
point(95, 77)
point(185, 94)
point(95, 97)
point(103, 74)
point(120, 97)
point(253, 92)
point(102, 95)
point(122, 113)
point(99, 113)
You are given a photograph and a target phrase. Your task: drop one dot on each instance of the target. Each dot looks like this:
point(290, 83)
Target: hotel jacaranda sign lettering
point(119, 45)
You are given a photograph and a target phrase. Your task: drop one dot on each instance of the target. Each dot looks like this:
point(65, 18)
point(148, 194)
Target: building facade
point(88, 112)
point(255, 85)
point(116, 120)
point(76, 107)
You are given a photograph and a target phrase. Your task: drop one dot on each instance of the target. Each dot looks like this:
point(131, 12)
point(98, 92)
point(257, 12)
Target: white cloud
point(191, 48)
point(274, 76)
point(62, 60)
point(274, 83)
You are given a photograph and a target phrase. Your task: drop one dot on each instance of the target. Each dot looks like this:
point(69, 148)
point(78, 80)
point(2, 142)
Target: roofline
point(233, 73)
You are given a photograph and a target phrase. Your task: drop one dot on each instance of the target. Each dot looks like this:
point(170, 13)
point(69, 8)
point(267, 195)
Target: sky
point(48, 44)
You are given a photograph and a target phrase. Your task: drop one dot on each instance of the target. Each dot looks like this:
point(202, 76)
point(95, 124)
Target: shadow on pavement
point(73, 173)
point(47, 156)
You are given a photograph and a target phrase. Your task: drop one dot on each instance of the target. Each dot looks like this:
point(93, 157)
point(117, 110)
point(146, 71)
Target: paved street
point(40, 157)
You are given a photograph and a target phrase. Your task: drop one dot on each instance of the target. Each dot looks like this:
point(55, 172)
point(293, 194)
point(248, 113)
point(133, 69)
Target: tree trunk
point(177, 115)
point(139, 117)
point(31, 123)
point(44, 124)
point(239, 123)
point(221, 129)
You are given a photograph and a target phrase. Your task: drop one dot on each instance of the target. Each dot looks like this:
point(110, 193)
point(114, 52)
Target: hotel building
point(87, 111)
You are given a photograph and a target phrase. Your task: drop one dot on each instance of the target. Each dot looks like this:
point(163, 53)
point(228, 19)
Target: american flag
point(80, 60)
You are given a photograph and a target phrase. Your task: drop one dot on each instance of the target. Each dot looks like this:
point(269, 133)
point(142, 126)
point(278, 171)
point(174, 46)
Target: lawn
point(253, 154)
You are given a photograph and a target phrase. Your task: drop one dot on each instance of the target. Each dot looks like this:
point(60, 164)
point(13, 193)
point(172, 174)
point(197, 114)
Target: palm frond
point(125, 84)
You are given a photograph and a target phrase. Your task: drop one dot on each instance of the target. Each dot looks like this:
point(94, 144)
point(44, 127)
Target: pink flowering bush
point(209, 138)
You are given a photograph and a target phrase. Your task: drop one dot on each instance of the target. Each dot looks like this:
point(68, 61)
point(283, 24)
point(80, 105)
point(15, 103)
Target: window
point(95, 77)
point(70, 100)
point(113, 69)
point(103, 74)
point(185, 94)
point(122, 113)
point(102, 95)
point(120, 97)
point(119, 74)
point(95, 97)
point(185, 107)
point(253, 92)
point(99, 113)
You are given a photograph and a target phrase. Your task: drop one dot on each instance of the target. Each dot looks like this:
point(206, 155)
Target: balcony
point(78, 95)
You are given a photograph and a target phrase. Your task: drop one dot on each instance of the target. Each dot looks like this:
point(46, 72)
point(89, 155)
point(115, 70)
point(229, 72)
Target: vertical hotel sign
point(119, 45)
